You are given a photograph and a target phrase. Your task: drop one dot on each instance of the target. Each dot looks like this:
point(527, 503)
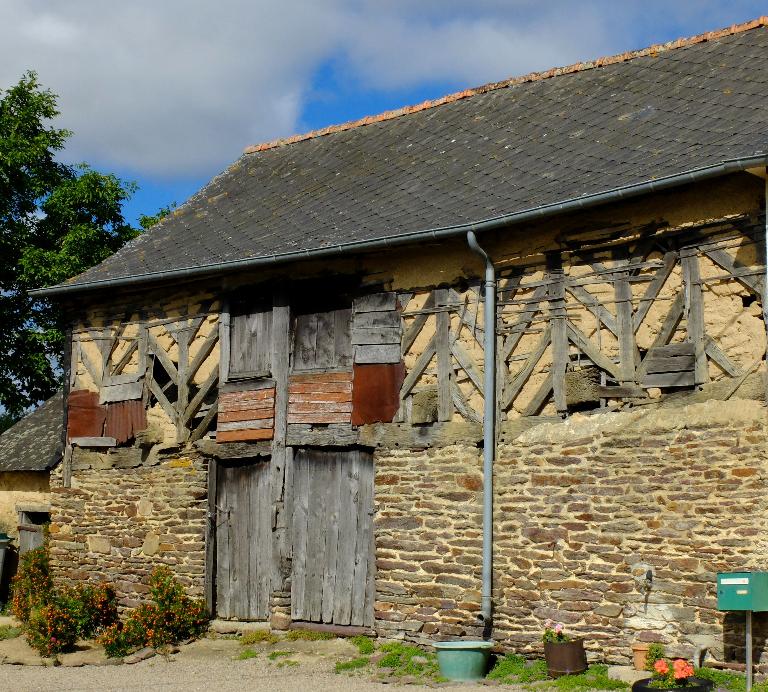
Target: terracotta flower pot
point(639, 653)
point(565, 658)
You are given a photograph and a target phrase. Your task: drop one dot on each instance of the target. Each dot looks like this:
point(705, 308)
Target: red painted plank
point(85, 417)
point(376, 392)
point(124, 419)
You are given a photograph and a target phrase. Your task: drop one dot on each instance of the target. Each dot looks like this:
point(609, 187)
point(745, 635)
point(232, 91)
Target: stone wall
point(583, 508)
point(126, 513)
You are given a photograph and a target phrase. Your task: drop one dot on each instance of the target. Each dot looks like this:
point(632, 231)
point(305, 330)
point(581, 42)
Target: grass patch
point(354, 664)
point(308, 636)
point(9, 632)
point(513, 668)
point(278, 654)
point(287, 663)
point(245, 654)
point(258, 637)
point(593, 678)
point(364, 644)
point(400, 658)
point(729, 680)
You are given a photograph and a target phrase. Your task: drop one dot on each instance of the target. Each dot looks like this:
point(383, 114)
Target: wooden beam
point(163, 357)
point(695, 313)
point(511, 391)
point(417, 325)
point(210, 540)
point(203, 352)
point(668, 328)
point(465, 361)
point(591, 351)
point(443, 349)
point(535, 405)
point(594, 306)
point(654, 288)
point(628, 355)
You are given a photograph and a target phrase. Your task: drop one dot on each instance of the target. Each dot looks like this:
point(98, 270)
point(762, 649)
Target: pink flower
point(559, 628)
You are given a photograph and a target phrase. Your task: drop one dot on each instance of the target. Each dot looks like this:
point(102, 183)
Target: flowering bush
point(92, 608)
point(170, 618)
point(32, 586)
point(553, 633)
point(50, 629)
point(675, 674)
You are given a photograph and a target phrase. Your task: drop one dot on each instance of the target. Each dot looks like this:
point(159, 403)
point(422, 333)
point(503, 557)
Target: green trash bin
point(463, 660)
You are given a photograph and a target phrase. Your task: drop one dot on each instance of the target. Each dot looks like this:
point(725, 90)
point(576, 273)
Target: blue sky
point(169, 93)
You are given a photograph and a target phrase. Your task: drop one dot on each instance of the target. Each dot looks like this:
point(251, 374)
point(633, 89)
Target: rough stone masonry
point(583, 509)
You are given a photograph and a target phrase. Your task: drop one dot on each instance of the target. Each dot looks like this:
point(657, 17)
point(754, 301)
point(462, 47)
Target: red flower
point(661, 667)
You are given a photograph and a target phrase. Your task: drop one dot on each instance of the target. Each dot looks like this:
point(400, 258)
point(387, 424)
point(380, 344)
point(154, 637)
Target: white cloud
point(179, 87)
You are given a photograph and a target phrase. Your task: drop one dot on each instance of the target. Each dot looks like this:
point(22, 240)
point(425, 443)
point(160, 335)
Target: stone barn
point(288, 390)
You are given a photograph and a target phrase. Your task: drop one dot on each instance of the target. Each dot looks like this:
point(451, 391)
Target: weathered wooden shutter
point(322, 341)
point(250, 346)
point(376, 329)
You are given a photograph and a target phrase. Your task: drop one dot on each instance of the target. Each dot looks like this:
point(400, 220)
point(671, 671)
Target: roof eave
point(536, 213)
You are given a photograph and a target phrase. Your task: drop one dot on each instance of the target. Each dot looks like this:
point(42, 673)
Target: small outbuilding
point(28, 451)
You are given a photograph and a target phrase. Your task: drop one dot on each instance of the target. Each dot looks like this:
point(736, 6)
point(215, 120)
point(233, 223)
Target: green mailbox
point(742, 591)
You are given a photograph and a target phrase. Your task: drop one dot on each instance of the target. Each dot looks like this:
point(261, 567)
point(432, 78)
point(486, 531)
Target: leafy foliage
point(258, 637)
point(656, 652)
point(365, 645)
point(594, 678)
point(308, 635)
point(51, 629)
point(9, 632)
point(245, 654)
point(92, 608)
point(353, 664)
point(404, 659)
point(32, 586)
point(513, 668)
point(172, 616)
point(56, 221)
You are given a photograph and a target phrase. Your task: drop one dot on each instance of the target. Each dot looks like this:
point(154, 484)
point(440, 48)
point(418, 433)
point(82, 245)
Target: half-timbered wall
point(596, 322)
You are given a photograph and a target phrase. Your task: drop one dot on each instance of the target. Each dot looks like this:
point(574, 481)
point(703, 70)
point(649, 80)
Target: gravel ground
point(207, 666)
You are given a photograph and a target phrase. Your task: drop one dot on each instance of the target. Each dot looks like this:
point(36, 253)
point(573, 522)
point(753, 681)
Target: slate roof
point(504, 149)
point(34, 443)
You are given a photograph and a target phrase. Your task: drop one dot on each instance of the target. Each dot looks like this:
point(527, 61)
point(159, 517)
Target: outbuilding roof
point(504, 152)
point(34, 443)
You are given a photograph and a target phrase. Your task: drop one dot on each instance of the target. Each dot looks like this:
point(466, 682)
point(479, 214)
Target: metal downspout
point(489, 431)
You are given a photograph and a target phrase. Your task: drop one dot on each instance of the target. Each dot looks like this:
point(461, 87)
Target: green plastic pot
point(463, 660)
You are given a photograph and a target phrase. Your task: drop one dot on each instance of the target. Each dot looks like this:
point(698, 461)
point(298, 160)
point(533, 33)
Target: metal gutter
point(575, 204)
point(489, 430)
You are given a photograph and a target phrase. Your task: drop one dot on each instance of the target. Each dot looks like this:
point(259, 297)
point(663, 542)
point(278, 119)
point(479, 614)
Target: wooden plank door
point(332, 531)
point(243, 540)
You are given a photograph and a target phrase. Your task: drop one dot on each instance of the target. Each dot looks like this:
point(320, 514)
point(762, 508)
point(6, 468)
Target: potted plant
point(564, 654)
point(675, 674)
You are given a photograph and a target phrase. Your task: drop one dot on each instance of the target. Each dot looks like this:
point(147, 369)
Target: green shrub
point(655, 653)
point(172, 616)
point(364, 644)
point(50, 629)
point(93, 608)
point(32, 586)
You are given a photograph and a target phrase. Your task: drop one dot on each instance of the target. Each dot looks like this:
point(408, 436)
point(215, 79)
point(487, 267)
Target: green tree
point(55, 222)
